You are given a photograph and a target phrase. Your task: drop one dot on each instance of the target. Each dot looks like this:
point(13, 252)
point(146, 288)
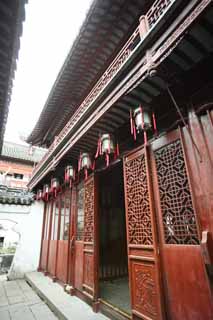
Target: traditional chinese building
point(127, 180)
point(17, 162)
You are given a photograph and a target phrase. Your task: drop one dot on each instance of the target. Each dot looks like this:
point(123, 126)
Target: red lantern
point(106, 146)
point(142, 119)
point(46, 191)
point(69, 175)
point(84, 163)
point(55, 186)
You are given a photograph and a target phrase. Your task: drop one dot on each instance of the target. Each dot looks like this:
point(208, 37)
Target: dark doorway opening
point(113, 269)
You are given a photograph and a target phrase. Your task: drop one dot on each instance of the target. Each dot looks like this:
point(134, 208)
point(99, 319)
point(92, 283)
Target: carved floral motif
point(145, 290)
point(89, 212)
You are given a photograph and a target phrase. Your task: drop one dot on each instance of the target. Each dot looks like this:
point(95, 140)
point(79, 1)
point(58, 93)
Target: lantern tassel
point(134, 132)
point(145, 138)
point(65, 176)
point(70, 183)
point(131, 121)
point(93, 166)
point(117, 150)
point(101, 151)
point(107, 159)
point(109, 145)
point(154, 124)
point(85, 173)
point(98, 149)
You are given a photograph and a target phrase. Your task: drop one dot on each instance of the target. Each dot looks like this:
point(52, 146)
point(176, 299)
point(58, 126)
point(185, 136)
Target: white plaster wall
point(29, 226)
point(11, 237)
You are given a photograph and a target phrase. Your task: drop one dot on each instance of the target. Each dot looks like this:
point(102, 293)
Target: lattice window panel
point(178, 215)
point(138, 208)
point(89, 212)
point(80, 213)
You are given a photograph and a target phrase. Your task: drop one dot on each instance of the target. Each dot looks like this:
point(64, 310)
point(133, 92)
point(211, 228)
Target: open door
point(86, 244)
point(144, 267)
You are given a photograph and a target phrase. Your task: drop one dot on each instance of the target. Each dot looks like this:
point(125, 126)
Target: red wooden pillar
point(42, 234)
point(71, 240)
point(49, 235)
point(58, 235)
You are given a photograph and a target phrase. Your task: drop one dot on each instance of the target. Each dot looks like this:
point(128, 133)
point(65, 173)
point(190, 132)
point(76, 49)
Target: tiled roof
point(12, 15)
point(15, 196)
point(22, 152)
point(106, 28)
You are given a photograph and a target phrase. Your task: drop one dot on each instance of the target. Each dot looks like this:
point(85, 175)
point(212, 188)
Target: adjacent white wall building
point(28, 225)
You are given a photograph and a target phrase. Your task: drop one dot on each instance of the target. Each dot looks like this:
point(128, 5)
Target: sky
point(49, 30)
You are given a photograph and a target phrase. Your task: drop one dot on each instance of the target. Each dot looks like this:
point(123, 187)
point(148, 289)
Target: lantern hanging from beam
point(39, 194)
point(142, 119)
point(106, 146)
point(84, 163)
point(46, 191)
point(69, 175)
point(55, 186)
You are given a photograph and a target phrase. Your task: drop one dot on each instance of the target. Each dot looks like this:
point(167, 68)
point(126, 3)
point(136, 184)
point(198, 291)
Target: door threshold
point(115, 309)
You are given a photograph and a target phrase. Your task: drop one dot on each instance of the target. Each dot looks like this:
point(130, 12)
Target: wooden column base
point(45, 272)
point(96, 306)
point(54, 278)
point(69, 289)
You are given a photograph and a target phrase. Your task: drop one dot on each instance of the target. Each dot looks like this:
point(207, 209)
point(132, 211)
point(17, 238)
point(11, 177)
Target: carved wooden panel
point(79, 268)
point(179, 220)
point(44, 255)
point(61, 270)
point(88, 270)
point(52, 257)
point(139, 219)
point(144, 282)
point(89, 211)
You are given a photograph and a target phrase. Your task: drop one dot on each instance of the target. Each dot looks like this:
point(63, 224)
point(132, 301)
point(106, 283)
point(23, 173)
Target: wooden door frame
point(71, 233)
point(42, 234)
point(49, 234)
point(57, 198)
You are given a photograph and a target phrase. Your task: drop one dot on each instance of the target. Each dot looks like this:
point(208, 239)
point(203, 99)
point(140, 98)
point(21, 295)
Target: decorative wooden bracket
point(207, 247)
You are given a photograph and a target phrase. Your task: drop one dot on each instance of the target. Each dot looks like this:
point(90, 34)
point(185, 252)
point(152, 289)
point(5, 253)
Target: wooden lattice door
point(90, 251)
point(187, 288)
point(144, 267)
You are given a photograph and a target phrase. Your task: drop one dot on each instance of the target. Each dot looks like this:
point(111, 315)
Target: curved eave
point(106, 28)
point(192, 49)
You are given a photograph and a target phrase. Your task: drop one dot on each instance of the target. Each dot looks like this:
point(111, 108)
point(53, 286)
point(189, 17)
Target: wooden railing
point(152, 17)
point(156, 11)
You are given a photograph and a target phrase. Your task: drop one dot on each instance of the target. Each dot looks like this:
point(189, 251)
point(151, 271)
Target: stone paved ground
point(19, 302)
point(66, 307)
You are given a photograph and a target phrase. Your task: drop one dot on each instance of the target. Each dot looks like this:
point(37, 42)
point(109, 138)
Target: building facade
point(127, 179)
point(17, 162)
point(19, 245)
